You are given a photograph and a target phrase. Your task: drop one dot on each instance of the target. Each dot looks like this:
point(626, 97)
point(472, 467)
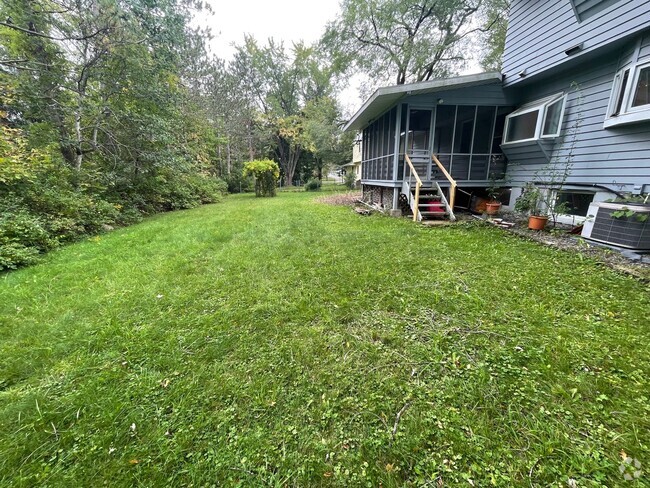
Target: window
point(577, 203)
point(630, 98)
point(642, 88)
point(535, 120)
point(552, 118)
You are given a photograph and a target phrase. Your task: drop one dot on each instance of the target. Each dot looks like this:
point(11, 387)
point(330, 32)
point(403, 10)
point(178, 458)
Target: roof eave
point(398, 92)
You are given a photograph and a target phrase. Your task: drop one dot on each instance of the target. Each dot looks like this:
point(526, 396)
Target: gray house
point(574, 93)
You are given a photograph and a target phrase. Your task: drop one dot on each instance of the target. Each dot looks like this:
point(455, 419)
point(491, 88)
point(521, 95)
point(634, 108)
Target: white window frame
point(559, 124)
point(541, 107)
point(627, 114)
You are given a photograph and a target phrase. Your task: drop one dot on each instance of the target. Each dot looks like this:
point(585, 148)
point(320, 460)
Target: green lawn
point(280, 342)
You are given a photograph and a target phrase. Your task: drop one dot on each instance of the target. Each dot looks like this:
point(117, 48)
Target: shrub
point(266, 174)
point(14, 255)
point(350, 180)
point(313, 185)
point(22, 238)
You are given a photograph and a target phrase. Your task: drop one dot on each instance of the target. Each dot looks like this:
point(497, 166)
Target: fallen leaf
point(134, 461)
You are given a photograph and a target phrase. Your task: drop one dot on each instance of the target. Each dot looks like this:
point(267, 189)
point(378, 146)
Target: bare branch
point(38, 34)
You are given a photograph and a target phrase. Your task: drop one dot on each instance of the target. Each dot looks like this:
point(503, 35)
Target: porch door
point(418, 142)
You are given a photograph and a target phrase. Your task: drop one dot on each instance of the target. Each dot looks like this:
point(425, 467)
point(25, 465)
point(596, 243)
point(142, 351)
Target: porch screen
point(467, 140)
point(379, 148)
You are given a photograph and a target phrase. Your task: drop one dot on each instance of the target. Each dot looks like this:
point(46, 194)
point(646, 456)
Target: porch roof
point(384, 98)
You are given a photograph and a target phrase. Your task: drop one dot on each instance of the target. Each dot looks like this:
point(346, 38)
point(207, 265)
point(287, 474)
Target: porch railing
point(415, 202)
point(452, 182)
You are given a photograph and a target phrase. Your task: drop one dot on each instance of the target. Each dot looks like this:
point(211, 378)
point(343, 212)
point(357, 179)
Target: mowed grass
point(282, 342)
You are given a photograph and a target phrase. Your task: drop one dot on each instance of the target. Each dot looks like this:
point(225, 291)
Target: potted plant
point(493, 205)
point(530, 202)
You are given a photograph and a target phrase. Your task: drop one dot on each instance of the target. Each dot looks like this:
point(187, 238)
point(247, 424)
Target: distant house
point(575, 88)
point(354, 166)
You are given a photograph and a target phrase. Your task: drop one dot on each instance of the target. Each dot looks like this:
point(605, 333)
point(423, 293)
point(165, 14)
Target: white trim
point(633, 87)
point(627, 114)
point(541, 107)
point(559, 122)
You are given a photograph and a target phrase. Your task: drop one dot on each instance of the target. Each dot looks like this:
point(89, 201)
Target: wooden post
point(417, 202)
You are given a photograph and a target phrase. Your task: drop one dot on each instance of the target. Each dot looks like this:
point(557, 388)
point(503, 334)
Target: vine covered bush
point(266, 174)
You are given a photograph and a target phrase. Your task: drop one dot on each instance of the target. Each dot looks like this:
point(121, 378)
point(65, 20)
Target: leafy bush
point(22, 237)
point(350, 180)
point(44, 202)
point(313, 185)
point(266, 173)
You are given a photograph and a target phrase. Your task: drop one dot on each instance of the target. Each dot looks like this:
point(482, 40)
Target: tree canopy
point(411, 40)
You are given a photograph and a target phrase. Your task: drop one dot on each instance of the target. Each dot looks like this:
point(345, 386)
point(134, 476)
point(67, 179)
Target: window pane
point(522, 126)
point(577, 203)
point(552, 120)
point(464, 129)
point(483, 133)
point(621, 93)
point(642, 89)
point(445, 115)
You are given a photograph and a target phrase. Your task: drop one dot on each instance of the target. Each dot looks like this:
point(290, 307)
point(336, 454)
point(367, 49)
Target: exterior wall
point(618, 157)
point(356, 153)
point(540, 32)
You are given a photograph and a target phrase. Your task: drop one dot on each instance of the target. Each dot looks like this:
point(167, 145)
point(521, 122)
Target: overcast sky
point(286, 20)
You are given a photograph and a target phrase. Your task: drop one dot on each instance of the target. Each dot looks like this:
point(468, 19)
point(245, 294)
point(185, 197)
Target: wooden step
point(434, 214)
point(430, 197)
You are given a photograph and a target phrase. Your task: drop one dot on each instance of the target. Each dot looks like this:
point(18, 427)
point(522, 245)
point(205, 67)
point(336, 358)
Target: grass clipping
point(343, 199)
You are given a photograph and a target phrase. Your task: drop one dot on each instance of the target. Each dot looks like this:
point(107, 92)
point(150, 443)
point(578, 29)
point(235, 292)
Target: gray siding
point(484, 95)
point(540, 31)
point(618, 156)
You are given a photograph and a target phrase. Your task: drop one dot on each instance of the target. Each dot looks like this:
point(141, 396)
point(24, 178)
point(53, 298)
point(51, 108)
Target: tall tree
point(496, 26)
point(281, 83)
point(412, 40)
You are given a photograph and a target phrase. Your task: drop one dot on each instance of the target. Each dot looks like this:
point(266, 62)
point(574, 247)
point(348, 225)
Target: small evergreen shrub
point(313, 185)
point(266, 174)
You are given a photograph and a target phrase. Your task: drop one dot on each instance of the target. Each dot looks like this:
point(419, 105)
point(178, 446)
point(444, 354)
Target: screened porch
point(466, 139)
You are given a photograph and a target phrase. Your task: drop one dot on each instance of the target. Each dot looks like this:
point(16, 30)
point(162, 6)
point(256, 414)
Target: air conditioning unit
point(630, 232)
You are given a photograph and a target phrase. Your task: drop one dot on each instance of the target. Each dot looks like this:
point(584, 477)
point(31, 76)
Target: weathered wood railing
point(452, 182)
point(415, 205)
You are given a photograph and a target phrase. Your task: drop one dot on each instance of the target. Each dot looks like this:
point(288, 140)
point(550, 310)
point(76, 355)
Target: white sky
point(286, 20)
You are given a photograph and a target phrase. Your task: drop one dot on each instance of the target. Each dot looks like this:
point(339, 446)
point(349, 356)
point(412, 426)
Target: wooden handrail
point(415, 173)
point(452, 188)
point(418, 184)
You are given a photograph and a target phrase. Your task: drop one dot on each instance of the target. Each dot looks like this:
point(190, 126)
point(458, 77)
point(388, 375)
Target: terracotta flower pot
point(537, 222)
point(492, 208)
